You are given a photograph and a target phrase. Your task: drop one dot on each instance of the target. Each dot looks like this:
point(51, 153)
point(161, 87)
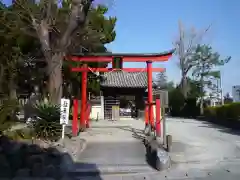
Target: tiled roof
point(120, 79)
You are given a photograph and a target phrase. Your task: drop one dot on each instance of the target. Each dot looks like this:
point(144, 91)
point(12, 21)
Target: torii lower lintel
point(82, 69)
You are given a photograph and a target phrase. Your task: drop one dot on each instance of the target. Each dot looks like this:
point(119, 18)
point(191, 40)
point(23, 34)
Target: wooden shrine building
point(125, 91)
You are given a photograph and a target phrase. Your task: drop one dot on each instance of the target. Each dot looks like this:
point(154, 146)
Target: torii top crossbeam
point(126, 57)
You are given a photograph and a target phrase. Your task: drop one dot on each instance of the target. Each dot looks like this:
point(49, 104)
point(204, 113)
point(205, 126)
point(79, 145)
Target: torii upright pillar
point(150, 94)
point(83, 99)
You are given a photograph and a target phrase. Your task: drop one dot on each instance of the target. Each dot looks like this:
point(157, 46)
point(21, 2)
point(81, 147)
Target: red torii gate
point(148, 58)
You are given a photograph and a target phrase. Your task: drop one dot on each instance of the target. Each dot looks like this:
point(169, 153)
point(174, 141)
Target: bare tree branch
point(185, 46)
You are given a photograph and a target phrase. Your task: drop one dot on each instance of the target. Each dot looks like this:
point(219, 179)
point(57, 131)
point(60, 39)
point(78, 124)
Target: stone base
point(147, 130)
point(163, 160)
point(157, 156)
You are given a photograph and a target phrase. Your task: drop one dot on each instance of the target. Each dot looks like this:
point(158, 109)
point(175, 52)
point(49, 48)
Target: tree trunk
point(1, 77)
point(78, 14)
point(202, 94)
point(184, 85)
point(201, 105)
point(55, 77)
point(12, 90)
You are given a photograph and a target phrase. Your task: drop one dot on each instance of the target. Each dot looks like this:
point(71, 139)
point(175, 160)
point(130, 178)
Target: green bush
point(182, 107)
point(71, 113)
point(191, 108)
point(48, 125)
point(20, 134)
point(234, 111)
point(8, 117)
point(225, 112)
point(176, 102)
point(210, 112)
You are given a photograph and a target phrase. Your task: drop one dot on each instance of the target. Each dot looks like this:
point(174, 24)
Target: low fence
point(22, 100)
point(96, 111)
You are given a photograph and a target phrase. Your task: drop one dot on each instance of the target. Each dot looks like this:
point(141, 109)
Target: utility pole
point(221, 89)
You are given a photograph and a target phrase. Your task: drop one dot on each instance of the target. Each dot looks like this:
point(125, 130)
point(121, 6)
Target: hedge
point(228, 114)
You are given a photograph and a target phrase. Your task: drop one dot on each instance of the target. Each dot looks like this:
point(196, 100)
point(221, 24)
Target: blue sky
point(150, 26)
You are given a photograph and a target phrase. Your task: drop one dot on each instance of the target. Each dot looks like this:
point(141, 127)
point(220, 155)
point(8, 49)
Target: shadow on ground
point(150, 145)
point(133, 130)
point(28, 160)
point(221, 128)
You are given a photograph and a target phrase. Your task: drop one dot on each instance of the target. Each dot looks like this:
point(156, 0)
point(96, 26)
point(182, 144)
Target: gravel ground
point(200, 151)
point(114, 150)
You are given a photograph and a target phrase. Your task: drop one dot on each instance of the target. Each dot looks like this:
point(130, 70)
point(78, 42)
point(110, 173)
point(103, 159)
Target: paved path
point(114, 148)
point(200, 151)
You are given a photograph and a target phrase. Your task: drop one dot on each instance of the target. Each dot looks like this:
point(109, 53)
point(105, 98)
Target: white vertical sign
point(64, 114)
point(65, 106)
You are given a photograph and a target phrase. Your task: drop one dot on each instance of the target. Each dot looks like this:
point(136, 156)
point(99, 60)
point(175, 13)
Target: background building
point(236, 93)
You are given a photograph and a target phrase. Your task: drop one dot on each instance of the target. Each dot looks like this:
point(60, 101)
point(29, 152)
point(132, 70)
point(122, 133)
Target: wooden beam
point(80, 69)
point(125, 59)
point(158, 57)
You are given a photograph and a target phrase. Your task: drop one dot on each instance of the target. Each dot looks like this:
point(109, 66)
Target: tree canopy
point(206, 69)
point(21, 41)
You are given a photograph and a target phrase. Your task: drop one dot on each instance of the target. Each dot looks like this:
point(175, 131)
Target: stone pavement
point(115, 151)
point(113, 131)
point(113, 148)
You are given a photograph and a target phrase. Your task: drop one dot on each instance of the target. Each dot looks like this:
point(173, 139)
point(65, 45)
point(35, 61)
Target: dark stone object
point(156, 154)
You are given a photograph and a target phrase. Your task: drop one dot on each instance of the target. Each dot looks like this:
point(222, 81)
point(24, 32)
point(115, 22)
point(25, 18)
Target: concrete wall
point(154, 111)
point(142, 116)
point(96, 112)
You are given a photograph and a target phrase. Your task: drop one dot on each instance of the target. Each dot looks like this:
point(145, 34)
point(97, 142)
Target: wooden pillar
point(150, 93)
point(83, 99)
point(88, 111)
point(75, 117)
point(146, 115)
point(158, 116)
point(102, 106)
